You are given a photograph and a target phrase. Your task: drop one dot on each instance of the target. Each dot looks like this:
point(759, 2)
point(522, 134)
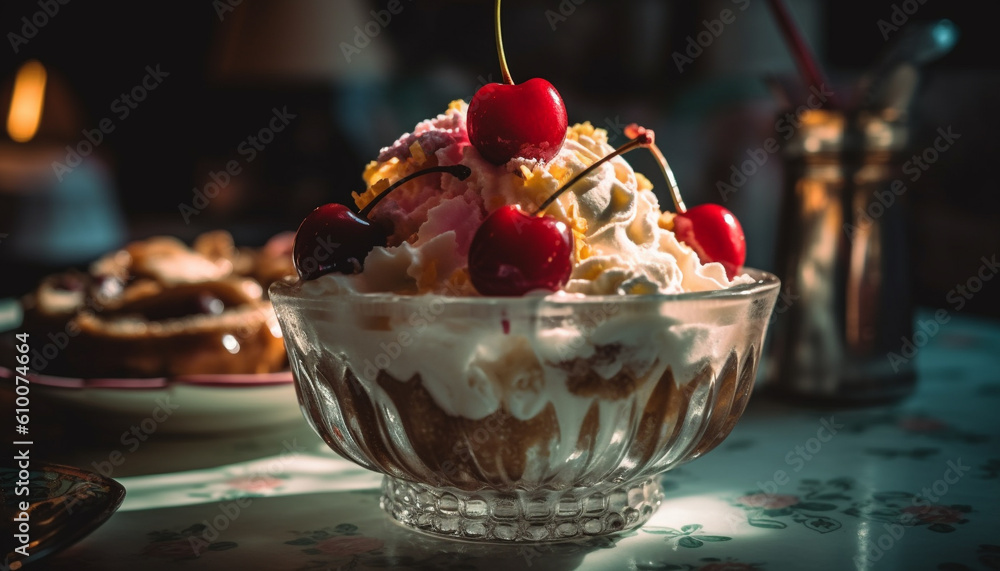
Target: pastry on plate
point(158, 307)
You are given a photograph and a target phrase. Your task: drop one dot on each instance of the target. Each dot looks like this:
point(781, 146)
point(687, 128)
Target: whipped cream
point(622, 247)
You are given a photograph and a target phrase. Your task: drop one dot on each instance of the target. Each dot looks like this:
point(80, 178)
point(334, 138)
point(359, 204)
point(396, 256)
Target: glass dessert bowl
point(533, 418)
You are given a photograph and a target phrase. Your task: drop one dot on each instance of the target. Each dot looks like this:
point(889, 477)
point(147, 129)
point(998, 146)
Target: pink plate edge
point(208, 380)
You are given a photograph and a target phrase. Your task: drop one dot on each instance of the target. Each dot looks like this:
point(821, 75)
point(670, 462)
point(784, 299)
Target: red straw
point(803, 55)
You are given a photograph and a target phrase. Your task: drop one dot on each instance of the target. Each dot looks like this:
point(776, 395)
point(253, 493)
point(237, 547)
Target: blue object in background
point(60, 223)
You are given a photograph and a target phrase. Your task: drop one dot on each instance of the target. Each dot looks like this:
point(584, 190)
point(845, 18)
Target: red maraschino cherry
point(513, 252)
point(334, 239)
point(516, 120)
point(715, 234)
point(712, 231)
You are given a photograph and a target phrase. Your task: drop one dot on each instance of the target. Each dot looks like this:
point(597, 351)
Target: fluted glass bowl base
point(536, 516)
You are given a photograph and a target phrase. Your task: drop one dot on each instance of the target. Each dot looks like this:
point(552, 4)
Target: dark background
point(611, 61)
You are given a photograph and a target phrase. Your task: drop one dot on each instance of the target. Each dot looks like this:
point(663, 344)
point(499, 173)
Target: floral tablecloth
point(908, 486)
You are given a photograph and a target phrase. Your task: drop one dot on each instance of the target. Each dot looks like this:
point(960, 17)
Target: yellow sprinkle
point(573, 210)
point(558, 172)
point(374, 190)
point(428, 278)
point(643, 289)
point(369, 172)
point(533, 180)
point(642, 182)
point(458, 280)
point(417, 153)
point(585, 129)
point(456, 105)
point(391, 169)
point(581, 248)
point(525, 172)
point(666, 221)
point(361, 199)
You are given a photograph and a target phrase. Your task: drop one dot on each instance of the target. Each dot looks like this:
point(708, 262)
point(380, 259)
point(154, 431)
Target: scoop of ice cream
point(623, 245)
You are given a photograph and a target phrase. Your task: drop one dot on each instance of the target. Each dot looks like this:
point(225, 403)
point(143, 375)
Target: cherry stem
point(642, 139)
point(633, 130)
point(461, 172)
point(675, 192)
point(503, 59)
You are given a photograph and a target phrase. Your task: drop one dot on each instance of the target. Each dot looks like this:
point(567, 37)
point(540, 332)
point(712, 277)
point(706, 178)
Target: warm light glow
point(716, 515)
point(26, 102)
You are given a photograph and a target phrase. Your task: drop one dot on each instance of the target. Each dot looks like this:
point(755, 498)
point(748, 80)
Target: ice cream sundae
point(513, 330)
